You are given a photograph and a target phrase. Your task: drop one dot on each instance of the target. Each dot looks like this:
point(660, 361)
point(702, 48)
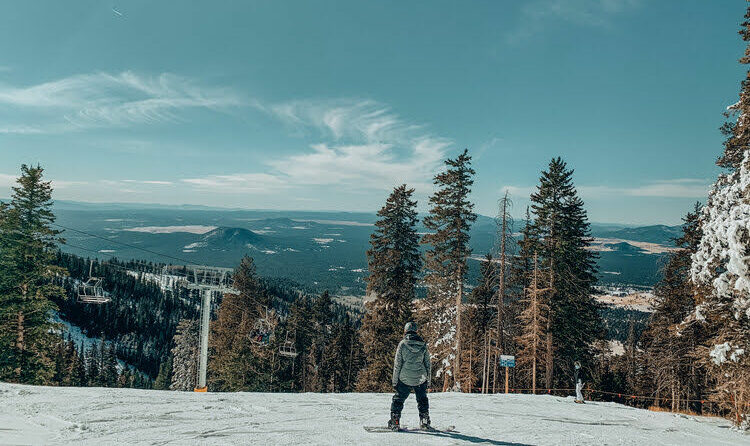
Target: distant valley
point(320, 250)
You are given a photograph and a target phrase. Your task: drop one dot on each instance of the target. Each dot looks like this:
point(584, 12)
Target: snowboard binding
point(394, 423)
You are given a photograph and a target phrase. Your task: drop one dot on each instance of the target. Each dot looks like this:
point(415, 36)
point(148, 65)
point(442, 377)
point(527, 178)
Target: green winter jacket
point(412, 363)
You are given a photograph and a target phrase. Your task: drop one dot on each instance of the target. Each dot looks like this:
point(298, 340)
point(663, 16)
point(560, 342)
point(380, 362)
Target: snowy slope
point(49, 415)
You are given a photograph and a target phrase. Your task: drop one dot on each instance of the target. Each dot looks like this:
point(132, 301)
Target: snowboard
point(384, 429)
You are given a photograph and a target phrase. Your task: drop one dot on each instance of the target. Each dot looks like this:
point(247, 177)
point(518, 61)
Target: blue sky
point(327, 105)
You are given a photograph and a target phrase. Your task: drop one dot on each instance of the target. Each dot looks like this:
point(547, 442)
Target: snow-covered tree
point(185, 355)
point(721, 265)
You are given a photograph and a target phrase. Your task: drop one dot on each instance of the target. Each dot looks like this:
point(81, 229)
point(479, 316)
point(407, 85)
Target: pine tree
point(720, 267)
point(299, 331)
point(394, 263)
point(342, 356)
point(561, 225)
point(27, 254)
point(449, 221)
point(319, 370)
point(236, 363)
point(503, 241)
point(164, 378)
point(533, 320)
point(480, 318)
point(109, 372)
point(93, 366)
point(81, 375)
point(185, 355)
point(668, 346)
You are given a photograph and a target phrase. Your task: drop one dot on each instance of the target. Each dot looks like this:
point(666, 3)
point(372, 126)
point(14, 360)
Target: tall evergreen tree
point(394, 263)
point(342, 357)
point(27, 253)
point(93, 365)
point(236, 363)
point(319, 370)
point(562, 229)
point(669, 348)
point(449, 220)
point(164, 378)
point(504, 242)
point(721, 266)
point(480, 318)
point(185, 355)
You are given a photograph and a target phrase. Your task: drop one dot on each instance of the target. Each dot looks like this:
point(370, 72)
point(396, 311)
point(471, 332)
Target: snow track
point(98, 416)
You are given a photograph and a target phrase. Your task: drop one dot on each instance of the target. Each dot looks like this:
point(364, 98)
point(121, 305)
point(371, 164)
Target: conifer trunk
point(20, 344)
point(459, 298)
point(549, 360)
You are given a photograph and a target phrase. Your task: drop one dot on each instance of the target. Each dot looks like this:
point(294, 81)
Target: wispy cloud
point(108, 100)
point(364, 145)
point(238, 183)
point(673, 188)
point(154, 182)
point(536, 15)
point(9, 180)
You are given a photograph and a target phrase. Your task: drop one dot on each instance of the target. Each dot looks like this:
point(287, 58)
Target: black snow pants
point(402, 393)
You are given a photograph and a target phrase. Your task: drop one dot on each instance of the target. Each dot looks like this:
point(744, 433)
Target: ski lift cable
point(107, 261)
point(112, 265)
point(188, 262)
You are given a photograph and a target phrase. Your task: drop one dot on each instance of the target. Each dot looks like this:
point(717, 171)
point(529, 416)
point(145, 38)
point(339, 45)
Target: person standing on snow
point(578, 378)
point(411, 371)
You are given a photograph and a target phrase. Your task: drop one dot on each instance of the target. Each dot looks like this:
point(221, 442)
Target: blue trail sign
point(507, 361)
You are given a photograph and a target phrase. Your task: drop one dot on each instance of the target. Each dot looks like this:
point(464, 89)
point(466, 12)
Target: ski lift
point(91, 291)
point(262, 332)
point(287, 349)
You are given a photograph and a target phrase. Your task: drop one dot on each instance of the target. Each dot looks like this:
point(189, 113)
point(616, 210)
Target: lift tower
point(208, 280)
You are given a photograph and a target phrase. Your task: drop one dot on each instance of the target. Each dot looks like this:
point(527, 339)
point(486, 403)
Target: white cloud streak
point(363, 146)
point(535, 15)
point(673, 188)
point(252, 183)
point(108, 100)
point(368, 147)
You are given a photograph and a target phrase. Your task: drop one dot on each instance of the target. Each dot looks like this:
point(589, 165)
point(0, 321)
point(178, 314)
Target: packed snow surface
point(55, 415)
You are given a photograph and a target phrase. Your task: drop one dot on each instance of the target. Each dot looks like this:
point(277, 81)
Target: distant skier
point(411, 371)
point(578, 378)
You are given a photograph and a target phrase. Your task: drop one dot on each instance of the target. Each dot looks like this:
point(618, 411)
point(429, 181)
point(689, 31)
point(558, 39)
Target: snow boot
point(424, 421)
point(394, 423)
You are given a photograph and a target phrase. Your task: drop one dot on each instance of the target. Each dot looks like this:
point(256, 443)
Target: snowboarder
point(578, 378)
point(411, 371)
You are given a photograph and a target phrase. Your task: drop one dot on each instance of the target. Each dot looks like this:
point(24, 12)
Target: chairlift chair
point(261, 333)
point(91, 291)
point(287, 349)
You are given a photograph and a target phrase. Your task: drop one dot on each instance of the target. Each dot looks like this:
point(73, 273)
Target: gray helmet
point(410, 327)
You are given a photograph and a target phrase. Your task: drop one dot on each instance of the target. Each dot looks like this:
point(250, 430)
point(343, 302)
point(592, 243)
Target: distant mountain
point(231, 238)
point(625, 248)
point(660, 234)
